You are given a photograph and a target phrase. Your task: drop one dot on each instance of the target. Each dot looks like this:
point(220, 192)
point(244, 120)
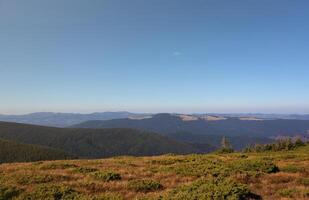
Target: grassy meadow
point(268, 175)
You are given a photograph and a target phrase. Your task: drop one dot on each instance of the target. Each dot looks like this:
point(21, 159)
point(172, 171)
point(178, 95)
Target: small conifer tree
point(226, 146)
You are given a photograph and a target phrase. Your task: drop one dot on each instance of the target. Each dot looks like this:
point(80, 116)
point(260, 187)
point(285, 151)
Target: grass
point(106, 176)
point(266, 175)
point(292, 169)
point(144, 185)
point(288, 192)
point(85, 170)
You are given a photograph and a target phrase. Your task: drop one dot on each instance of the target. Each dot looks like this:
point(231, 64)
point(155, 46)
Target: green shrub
point(225, 150)
point(166, 161)
point(144, 185)
point(51, 192)
point(287, 192)
point(57, 166)
point(214, 189)
point(262, 166)
point(305, 193)
point(7, 193)
point(106, 196)
point(292, 169)
point(299, 143)
point(33, 178)
point(106, 176)
point(200, 166)
point(280, 145)
point(37, 163)
point(85, 170)
point(303, 181)
point(287, 156)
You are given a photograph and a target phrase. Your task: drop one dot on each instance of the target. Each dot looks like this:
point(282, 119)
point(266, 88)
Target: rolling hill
point(70, 119)
point(241, 131)
point(64, 119)
point(168, 123)
point(11, 151)
point(95, 143)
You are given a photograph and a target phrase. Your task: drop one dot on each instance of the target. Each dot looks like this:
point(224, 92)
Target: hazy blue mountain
point(232, 126)
point(64, 119)
point(209, 129)
point(264, 116)
point(69, 119)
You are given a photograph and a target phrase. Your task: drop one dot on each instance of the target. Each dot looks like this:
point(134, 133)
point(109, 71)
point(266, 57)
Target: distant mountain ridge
point(267, 116)
point(166, 123)
point(69, 119)
point(64, 119)
point(242, 131)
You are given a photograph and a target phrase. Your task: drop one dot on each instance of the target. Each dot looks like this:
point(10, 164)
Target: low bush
point(306, 193)
point(303, 181)
point(281, 179)
point(225, 150)
point(287, 192)
point(292, 169)
point(144, 185)
point(85, 170)
point(262, 166)
point(33, 178)
point(166, 161)
point(48, 166)
point(215, 189)
point(280, 145)
point(7, 193)
point(200, 166)
point(51, 192)
point(106, 176)
point(106, 196)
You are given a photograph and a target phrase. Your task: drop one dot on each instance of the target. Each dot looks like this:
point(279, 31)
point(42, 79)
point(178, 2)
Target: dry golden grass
point(291, 183)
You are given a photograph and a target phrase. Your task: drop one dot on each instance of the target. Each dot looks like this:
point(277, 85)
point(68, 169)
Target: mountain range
point(64, 119)
point(69, 119)
point(124, 133)
point(210, 129)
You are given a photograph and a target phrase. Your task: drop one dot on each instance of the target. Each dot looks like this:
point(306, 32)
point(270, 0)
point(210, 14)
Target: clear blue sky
point(154, 55)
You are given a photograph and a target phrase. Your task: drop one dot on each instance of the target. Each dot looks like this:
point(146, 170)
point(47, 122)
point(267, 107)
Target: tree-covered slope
point(11, 151)
point(168, 123)
point(95, 143)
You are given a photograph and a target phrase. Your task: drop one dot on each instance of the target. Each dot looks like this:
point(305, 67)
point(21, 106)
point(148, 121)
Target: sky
point(154, 56)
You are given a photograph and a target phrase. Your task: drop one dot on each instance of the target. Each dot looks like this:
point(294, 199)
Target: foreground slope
point(94, 143)
point(17, 152)
point(269, 176)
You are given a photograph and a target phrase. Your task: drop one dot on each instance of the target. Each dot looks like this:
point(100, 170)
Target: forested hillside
point(189, 128)
point(95, 143)
point(17, 152)
point(168, 123)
